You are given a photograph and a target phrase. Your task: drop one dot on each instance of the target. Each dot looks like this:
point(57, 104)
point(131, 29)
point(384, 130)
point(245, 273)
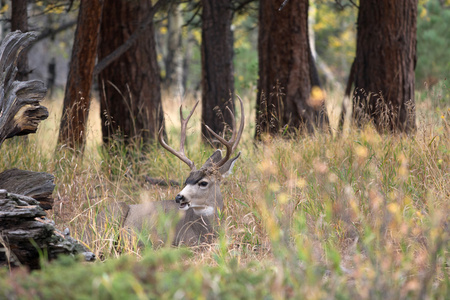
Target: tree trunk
point(189, 45)
point(130, 86)
point(346, 101)
point(289, 97)
point(77, 99)
point(217, 65)
point(384, 65)
point(19, 21)
point(174, 61)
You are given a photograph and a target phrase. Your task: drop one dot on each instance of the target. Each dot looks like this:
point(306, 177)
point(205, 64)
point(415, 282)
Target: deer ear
point(213, 159)
point(227, 168)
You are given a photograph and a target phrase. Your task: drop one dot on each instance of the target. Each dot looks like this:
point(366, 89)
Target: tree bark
point(19, 21)
point(189, 45)
point(289, 97)
point(107, 60)
point(129, 86)
point(173, 81)
point(346, 100)
point(217, 66)
point(77, 99)
point(384, 65)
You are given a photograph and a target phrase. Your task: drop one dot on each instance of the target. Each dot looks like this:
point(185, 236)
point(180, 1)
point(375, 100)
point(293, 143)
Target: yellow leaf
point(361, 151)
point(393, 208)
point(4, 9)
point(283, 198)
point(423, 13)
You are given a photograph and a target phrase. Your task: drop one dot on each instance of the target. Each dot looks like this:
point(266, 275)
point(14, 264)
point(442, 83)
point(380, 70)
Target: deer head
point(202, 187)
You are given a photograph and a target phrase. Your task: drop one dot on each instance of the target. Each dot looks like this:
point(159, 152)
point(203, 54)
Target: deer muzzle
point(184, 203)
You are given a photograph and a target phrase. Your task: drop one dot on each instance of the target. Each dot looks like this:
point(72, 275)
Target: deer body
point(196, 208)
point(197, 221)
point(191, 228)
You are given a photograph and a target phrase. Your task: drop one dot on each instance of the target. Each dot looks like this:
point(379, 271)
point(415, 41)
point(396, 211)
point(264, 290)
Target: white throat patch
point(204, 211)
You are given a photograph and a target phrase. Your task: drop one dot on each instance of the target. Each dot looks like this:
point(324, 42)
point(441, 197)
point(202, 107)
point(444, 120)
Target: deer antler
point(235, 137)
point(180, 154)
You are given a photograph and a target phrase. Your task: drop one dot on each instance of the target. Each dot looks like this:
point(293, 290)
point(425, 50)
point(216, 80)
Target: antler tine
point(235, 137)
point(241, 126)
point(227, 144)
point(180, 154)
point(233, 120)
point(184, 123)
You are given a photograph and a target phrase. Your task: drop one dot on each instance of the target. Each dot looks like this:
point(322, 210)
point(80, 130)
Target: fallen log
point(27, 236)
point(37, 185)
point(161, 182)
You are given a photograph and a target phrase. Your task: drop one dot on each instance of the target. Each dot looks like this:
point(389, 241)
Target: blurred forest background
point(178, 33)
point(333, 26)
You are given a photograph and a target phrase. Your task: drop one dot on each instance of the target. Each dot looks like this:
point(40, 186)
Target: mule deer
point(198, 203)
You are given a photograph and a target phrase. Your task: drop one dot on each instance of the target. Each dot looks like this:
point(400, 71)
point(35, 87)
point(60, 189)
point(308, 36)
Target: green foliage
point(335, 35)
point(245, 52)
point(433, 43)
point(335, 38)
point(159, 275)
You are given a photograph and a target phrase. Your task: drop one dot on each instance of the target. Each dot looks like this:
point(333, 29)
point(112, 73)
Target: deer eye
point(203, 183)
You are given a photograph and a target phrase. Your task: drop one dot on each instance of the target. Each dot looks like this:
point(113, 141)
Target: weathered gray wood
point(20, 114)
point(20, 109)
point(26, 234)
point(37, 185)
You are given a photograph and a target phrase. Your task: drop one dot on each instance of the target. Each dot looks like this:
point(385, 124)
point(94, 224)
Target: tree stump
point(26, 235)
point(20, 109)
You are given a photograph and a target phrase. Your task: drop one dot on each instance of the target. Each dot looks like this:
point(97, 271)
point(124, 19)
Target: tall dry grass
point(357, 215)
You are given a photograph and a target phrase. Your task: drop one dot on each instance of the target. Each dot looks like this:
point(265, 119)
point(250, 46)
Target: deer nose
point(179, 198)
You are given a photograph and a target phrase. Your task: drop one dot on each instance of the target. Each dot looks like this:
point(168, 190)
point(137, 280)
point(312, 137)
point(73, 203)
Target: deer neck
point(204, 211)
point(211, 209)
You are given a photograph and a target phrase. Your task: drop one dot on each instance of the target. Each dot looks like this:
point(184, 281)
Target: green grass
point(348, 216)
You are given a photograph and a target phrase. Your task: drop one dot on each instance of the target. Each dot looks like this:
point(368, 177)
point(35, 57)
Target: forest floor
point(343, 215)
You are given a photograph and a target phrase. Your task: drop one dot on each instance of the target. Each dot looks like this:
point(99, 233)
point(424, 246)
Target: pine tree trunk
point(77, 98)
point(217, 65)
point(384, 65)
point(287, 73)
point(19, 21)
point(174, 60)
point(130, 86)
point(189, 45)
